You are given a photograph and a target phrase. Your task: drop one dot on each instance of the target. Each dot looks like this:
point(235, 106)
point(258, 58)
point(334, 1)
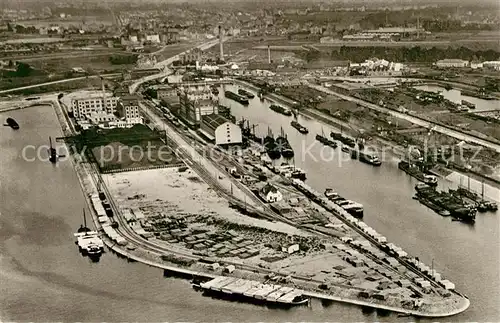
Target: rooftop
point(213, 120)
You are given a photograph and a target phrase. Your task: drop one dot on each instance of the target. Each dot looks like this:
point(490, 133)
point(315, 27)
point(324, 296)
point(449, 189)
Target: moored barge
point(281, 110)
point(246, 94)
point(251, 291)
point(299, 127)
point(236, 97)
point(443, 201)
point(415, 172)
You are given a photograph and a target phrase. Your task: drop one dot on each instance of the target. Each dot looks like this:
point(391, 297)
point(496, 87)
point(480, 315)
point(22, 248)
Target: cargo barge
point(279, 109)
point(443, 201)
point(251, 291)
point(246, 94)
point(325, 141)
point(299, 127)
point(236, 97)
point(414, 171)
point(12, 123)
point(343, 139)
point(272, 149)
point(284, 145)
point(353, 208)
point(481, 204)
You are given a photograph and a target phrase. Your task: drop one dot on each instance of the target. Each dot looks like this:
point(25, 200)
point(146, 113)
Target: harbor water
point(44, 278)
point(456, 96)
point(468, 255)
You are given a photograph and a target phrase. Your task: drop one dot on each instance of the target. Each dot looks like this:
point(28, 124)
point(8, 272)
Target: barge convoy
point(236, 97)
point(252, 291)
point(445, 203)
point(299, 127)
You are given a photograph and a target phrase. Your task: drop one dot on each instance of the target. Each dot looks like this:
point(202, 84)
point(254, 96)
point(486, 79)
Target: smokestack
point(269, 54)
point(220, 44)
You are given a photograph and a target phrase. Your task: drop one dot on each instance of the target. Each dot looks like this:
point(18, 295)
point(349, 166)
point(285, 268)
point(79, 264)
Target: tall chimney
point(269, 54)
point(221, 46)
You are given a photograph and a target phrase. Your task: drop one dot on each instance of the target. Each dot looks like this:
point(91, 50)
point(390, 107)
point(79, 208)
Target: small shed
point(230, 268)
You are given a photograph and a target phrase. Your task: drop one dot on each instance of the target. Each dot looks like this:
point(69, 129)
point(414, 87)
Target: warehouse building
point(444, 63)
point(220, 130)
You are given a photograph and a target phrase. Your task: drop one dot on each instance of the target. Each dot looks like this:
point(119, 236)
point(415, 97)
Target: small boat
point(246, 94)
point(12, 123)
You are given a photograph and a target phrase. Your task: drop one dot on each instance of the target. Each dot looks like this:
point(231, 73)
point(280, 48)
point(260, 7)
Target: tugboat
point(270, 146)
point(284, 145)
point(280, 110)
point(12, 123)
point(299, 127)
point(246, 94)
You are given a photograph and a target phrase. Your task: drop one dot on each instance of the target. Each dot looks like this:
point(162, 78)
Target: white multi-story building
point(128, 110)
point(84, 106)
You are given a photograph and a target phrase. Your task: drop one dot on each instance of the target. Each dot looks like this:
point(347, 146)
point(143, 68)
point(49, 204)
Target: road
point(69, 54)
point(57, 82)
point(446, 130)
point(164, 65)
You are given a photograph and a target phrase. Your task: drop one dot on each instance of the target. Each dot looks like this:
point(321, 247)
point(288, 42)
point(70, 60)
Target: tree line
point(413, 54)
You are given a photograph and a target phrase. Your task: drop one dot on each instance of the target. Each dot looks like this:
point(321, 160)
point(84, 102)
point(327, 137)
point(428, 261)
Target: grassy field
point(92, 83)
point(126, 148)
point(89, 62)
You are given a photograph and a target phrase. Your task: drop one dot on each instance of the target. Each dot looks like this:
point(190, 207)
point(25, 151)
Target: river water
point(456, 96)
point(43, 277)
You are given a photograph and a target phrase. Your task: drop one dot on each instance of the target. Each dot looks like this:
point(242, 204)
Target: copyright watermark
point(304, 151)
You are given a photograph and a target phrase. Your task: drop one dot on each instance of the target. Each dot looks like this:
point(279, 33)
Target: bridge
point(164, 64)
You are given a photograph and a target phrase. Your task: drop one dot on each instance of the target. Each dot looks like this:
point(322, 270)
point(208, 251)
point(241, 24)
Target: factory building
point(217, 128)
point(82, 107)
point(128, 109)
point(169, 96)
point(459, 63)
point(196, 102)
